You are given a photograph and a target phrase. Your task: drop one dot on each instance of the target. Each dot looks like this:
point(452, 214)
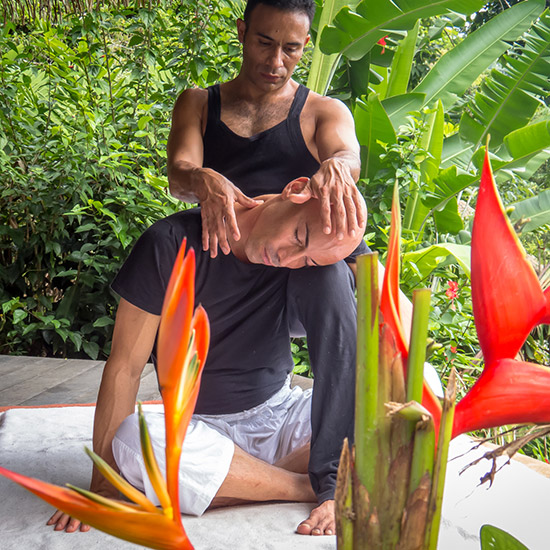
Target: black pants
point(321, 306)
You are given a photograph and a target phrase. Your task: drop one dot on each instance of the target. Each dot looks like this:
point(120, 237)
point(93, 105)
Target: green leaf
point(104, 321)
point(402, 62)
point(353, 34)
point(91, 349)
point(427, 259)
point(398, 107)
point(526, 141)
point(510, 95)
point(431, 142)
point(323, 65)
point(493, 538)
point(455, 71)
point(19, 315)
point(536, 210)
point(373, 128)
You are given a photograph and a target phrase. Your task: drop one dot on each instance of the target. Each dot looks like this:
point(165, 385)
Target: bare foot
point(321, 521)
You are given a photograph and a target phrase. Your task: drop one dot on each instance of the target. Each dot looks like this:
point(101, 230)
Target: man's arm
point(190, 182)
point(335, 182)
point(133, 339)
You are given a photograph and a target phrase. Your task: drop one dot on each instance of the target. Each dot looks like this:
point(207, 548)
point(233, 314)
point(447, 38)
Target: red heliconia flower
point(183, 341)
point(452, 290)
point(382, 43)
point(508, 302)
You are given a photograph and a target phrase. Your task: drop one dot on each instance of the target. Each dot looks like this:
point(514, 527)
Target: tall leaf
point(432, 143)
point(322, 65)
point(453, 73)
point(510, 95)
point(374, 130)
point(402, 63)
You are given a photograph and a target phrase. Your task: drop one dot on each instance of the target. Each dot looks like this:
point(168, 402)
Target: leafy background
point(85, 103)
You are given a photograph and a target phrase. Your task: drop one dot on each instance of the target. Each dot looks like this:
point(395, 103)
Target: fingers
point(64, 522)
point(215, 225)
point(243, 200)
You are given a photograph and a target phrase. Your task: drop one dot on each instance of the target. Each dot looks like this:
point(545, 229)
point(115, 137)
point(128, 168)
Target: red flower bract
point(508, 302)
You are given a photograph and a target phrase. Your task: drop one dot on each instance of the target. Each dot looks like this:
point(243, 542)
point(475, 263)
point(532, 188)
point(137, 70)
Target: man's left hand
point(341, 201)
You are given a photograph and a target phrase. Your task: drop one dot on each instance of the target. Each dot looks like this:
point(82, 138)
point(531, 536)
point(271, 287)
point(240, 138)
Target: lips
point(270, 77)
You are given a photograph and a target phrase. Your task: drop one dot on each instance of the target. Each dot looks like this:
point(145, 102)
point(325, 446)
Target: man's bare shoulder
point(192, 99)
point(323, 107)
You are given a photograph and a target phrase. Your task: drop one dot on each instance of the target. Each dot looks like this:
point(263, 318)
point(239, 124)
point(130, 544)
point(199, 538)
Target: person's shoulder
point(325, 107)
point(189, 101)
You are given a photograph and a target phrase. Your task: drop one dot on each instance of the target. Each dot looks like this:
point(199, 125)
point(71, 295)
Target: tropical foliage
point(390, 485)
point(427, 130)
point(84, 115)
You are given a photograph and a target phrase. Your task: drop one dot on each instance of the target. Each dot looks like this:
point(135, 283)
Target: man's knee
point(314, 294)
point(205, 461)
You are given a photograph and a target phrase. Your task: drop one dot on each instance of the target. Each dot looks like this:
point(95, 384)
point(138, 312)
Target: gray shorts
point(269, 432)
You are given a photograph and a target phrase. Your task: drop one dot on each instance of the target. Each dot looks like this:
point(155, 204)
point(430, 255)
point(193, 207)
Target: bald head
point(282, 233)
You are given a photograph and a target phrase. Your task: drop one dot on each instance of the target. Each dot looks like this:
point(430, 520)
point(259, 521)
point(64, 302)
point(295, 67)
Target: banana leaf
point(353, 33)
point(535, 211)
point(456, 71)
point(509, 97)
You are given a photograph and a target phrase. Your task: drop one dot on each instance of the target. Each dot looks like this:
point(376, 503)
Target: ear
point(297, 191)
point(241, 30)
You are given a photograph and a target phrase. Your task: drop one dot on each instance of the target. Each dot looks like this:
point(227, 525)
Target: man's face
point(291, 235)
point(273, 43)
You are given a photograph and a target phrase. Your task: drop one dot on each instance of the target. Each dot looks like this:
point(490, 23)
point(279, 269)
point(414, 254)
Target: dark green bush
point(84, 116)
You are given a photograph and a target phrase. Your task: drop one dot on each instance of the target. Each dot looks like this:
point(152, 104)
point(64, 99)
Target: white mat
point(48, 443)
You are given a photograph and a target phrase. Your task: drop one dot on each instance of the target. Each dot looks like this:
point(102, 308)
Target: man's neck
point(246, 90)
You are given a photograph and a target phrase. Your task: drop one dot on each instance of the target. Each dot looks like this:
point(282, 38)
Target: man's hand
point(64, 522)
point(341, 201)
point(217, 199)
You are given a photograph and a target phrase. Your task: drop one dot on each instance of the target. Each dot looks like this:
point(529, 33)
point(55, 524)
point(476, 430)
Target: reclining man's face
point(291, 235)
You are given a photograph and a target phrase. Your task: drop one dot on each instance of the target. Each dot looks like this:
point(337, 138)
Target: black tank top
point(265, 162)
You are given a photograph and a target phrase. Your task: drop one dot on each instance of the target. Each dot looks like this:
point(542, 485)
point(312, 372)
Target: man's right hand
point(217, 199)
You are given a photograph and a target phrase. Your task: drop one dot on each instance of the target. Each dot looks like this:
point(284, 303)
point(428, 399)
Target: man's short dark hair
point(304, 6)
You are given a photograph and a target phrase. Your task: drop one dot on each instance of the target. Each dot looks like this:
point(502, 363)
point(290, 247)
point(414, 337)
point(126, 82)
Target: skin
point(256, 100)
point(274, 225)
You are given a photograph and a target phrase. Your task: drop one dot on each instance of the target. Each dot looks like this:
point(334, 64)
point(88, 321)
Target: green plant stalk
point(366, 398)
point(423, 453)
point(440, 467)
point(417, 347)
point(344, 500)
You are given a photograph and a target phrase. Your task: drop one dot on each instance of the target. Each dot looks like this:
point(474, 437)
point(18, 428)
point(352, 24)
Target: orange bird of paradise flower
point(183, 340)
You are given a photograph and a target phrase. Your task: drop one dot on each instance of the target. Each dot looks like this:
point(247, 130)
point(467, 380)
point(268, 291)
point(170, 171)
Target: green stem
point(417, 351)
point(440, 469)
point(366, 398)
point(423, 453)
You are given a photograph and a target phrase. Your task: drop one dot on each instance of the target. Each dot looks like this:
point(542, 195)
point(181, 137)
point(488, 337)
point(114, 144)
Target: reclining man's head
point(286, 231)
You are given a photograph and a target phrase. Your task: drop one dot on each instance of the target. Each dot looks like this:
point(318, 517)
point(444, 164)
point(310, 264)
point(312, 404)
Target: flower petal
point(508, 301)
point(389, 299)
point(144, 528)
point(511, 392)
point(179, 361)
point(389, 304)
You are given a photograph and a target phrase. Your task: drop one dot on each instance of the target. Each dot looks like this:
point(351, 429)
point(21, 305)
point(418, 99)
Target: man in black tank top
point(253, 135)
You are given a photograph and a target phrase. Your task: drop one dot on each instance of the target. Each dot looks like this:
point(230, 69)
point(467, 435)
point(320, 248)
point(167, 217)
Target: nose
point(276, 58)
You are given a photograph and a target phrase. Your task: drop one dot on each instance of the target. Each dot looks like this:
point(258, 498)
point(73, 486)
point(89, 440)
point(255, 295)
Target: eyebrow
point(267, 37)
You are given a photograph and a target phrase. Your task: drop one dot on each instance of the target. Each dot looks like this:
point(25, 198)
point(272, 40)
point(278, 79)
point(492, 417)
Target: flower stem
point(366, 398)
